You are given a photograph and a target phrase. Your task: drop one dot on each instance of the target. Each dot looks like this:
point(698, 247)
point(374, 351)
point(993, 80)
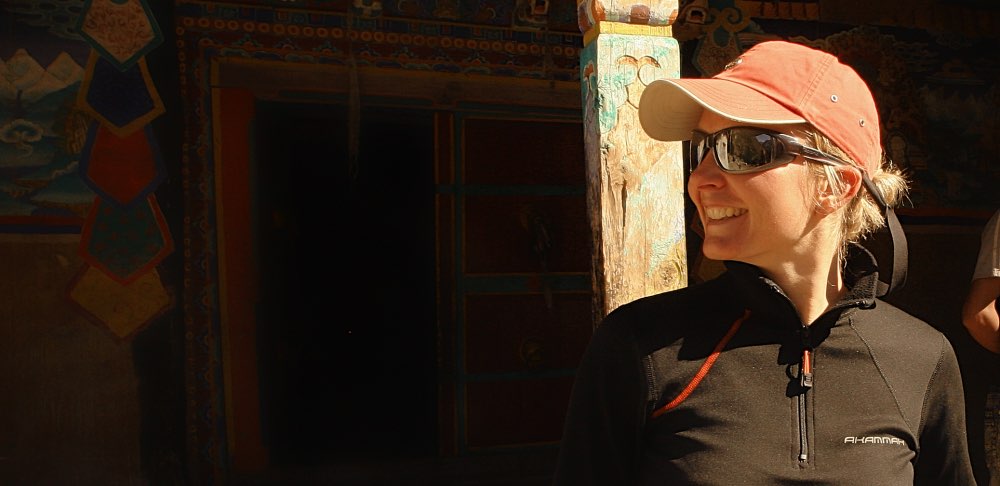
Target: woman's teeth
point(721, 213)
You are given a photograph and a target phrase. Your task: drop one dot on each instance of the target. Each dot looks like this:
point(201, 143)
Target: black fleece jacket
point(706, 385)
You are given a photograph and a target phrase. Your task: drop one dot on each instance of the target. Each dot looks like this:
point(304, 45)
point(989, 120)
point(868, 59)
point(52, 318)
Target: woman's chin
point(719, 250)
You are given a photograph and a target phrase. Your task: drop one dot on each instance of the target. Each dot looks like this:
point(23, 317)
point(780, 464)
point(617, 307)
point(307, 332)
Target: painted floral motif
point(122, 29)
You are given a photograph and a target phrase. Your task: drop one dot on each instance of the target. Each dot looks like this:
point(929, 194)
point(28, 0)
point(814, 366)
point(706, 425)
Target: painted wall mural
point(42, 133)
point(77, 154)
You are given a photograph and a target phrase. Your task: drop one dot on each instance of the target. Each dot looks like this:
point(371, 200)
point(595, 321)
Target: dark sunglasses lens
point(745, 150)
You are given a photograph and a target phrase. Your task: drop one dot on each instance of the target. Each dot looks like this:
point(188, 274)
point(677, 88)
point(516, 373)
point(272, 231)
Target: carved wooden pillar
point(635, 194)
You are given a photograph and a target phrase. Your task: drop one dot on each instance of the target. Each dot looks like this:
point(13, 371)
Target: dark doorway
point(346, 324)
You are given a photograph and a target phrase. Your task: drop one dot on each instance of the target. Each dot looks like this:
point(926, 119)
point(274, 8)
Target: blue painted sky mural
point(41, 130)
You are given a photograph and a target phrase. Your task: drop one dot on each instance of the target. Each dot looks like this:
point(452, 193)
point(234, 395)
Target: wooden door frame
point(236, 85)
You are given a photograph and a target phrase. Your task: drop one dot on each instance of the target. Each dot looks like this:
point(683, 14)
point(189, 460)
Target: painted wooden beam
point(635, 192)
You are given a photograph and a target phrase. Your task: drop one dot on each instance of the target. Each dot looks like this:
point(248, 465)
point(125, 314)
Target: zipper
point(805, 383)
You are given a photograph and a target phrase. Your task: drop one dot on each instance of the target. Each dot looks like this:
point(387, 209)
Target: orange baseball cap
point(772, 83)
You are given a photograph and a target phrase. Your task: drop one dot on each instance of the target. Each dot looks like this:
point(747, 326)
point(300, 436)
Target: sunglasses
point(742, 150)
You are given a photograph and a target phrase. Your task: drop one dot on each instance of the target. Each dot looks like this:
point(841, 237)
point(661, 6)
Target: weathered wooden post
point(635, 194)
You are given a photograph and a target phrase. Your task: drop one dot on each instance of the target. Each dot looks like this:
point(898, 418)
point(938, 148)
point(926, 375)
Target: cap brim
point(670, 108)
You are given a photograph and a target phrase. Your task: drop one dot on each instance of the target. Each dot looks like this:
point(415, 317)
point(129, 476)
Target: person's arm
point(603, 427)
point(943, 454)
point(979, 312)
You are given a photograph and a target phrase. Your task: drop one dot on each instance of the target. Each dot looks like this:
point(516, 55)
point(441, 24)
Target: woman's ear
point(851, 177)
point(849, 184)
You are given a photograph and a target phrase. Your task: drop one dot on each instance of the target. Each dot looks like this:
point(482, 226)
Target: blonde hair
point(862, 215)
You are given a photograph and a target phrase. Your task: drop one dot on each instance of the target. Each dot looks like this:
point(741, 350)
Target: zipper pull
point(806, 372)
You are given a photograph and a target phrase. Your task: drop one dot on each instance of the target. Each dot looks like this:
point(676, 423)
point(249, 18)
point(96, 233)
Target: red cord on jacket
point(707, 365)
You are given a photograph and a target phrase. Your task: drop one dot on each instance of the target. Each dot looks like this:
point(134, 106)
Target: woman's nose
point(706, 177)
point(706, 169)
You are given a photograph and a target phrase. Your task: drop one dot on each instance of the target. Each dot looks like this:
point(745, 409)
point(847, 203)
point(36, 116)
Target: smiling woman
point(680, 386)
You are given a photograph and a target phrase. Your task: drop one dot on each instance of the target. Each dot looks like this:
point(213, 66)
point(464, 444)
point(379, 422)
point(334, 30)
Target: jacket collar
point(765, 298)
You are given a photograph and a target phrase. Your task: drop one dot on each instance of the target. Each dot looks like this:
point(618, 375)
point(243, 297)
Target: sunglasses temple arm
point(897, 273)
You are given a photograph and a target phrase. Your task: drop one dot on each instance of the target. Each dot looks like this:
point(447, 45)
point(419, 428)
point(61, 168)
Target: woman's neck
point(813, 283)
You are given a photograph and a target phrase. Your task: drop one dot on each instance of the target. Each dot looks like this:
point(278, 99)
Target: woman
point(787, 368)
